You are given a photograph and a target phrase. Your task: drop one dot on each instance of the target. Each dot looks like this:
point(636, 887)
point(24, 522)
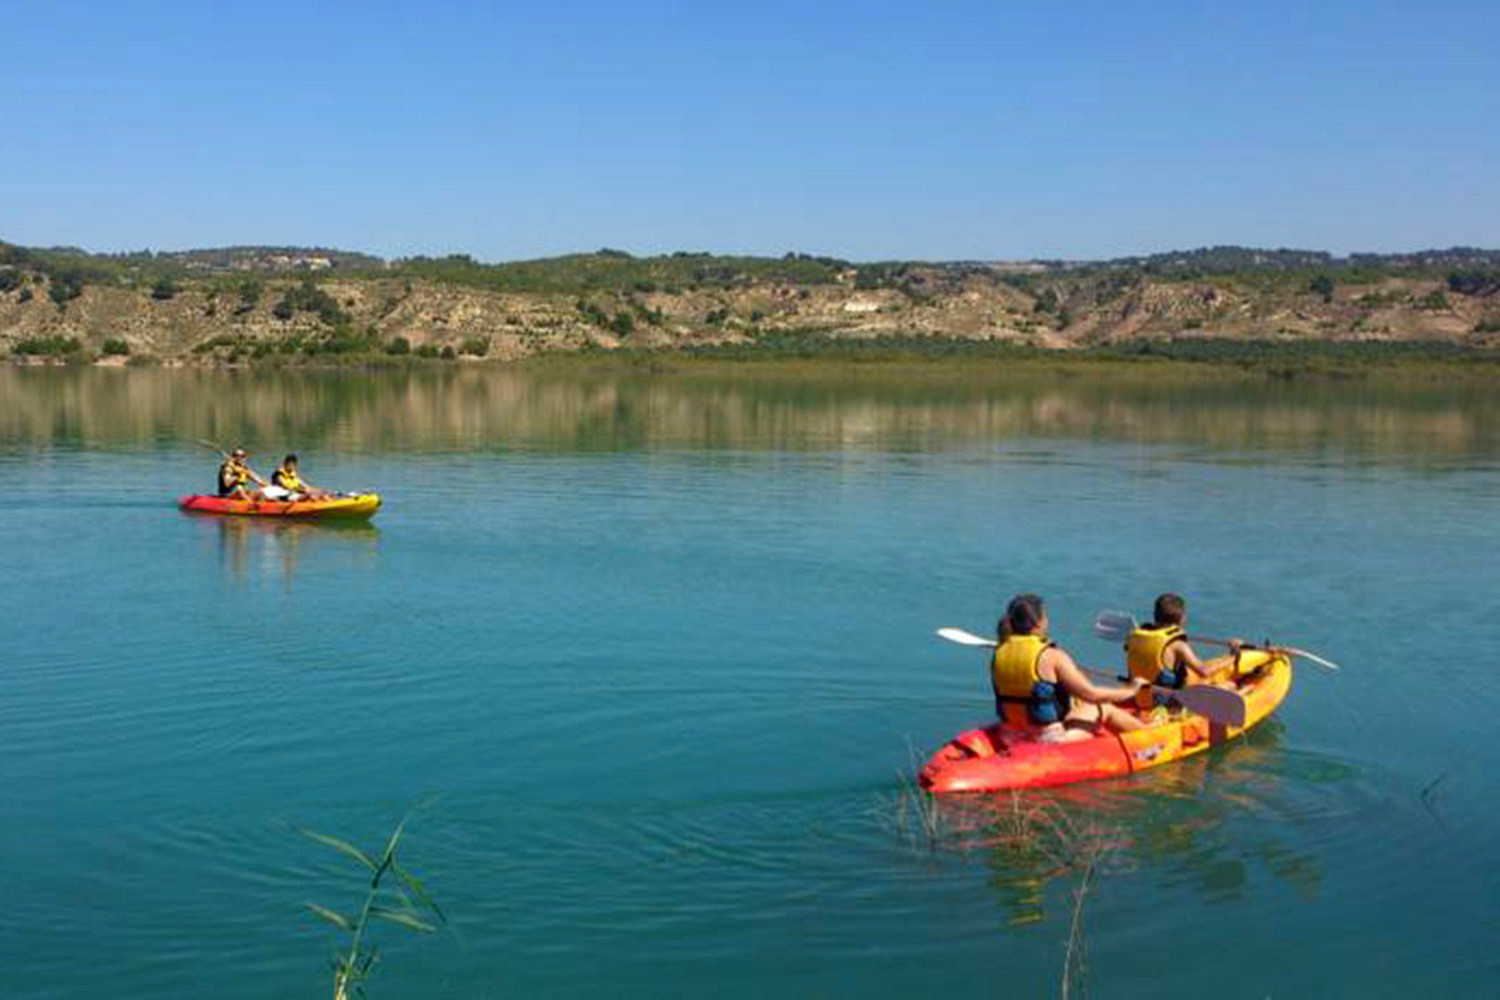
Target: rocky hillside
point(170, 308)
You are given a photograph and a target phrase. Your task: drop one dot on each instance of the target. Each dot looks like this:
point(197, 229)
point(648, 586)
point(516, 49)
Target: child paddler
point(1039, 687)
point(235, 476)
point(1159, 653)
point(289, 485)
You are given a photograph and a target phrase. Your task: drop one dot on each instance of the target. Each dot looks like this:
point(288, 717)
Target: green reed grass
point(1034, 836)
point(914, 812)
point(394, 895)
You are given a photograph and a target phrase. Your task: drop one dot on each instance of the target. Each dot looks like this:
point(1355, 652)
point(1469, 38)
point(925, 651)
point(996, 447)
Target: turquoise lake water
point(654, 658)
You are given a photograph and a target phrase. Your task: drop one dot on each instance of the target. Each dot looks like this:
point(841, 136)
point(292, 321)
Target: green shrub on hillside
point(250, 292)
point(164, 288)
point(1380, 300)
point(116, 346)
point(1474, 281)
point(591, 312)
point(308, 297)
point(53, 345)
point(65, 287)
point(343, 339)
point(398, 346)
point(475, 346)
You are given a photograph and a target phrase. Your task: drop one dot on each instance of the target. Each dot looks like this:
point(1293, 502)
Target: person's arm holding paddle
point(1181, 654)
point(235, 474)
point(1092, 703)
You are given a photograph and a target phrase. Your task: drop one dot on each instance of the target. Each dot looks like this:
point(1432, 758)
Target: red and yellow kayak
point(1000, 757)
point(355, 505)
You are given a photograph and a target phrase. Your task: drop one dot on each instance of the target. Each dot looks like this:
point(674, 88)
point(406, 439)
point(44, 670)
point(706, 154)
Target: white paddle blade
point(1216, 704)
point(963, 638)
point(1310, 656)
point(1115, 626)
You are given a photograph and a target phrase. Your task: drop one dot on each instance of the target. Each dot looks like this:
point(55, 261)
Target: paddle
point(1216, 704)
point(1116, 626)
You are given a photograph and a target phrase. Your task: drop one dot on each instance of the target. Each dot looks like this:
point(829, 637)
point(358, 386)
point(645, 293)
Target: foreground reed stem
point(389, 897)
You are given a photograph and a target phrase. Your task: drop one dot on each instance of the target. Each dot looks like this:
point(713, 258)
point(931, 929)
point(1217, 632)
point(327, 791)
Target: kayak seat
point(977, 743)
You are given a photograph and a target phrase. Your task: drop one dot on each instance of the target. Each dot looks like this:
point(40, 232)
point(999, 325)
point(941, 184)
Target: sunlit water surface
point(652, 657)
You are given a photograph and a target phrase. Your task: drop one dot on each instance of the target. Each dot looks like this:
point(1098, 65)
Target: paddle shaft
point(225, 455)
point(1225, 643)
point(1116, 626)
point(970, 639)
point(1268, 648)
point(1109, 676)
point(1214, 703)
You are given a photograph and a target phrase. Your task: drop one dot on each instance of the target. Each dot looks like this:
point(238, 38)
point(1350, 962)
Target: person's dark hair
point(1169, 610)
point(289, 460)
point(1022, 615)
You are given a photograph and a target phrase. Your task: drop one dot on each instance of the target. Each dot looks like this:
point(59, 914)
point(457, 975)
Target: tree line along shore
point(1280, 311)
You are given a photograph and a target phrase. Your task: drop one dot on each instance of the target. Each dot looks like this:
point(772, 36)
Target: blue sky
point(934, 130)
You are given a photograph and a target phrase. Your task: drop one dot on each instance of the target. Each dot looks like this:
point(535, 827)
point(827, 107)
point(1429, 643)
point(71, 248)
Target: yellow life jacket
point(287, 480)
point(232, 474)
point(1145, 655)
point(1022, 698)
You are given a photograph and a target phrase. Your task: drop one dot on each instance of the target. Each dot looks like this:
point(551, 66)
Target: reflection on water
point(487, 408)
point(658, 691)
point(1206, 823)
point(251, 548)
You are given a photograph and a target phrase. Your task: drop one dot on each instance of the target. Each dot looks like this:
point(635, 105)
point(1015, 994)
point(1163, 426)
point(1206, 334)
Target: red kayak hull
point(999, 757)
point(358, 505)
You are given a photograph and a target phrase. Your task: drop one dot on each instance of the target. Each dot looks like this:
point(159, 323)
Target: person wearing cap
point(235, 476)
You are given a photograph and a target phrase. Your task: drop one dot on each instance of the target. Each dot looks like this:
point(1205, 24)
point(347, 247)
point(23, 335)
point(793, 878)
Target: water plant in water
point(914, 813)
point(1032, 840)
point(389, 897)
point(1040, 834)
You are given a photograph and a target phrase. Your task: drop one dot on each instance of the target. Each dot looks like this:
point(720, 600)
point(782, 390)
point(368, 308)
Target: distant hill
point(249, 258)
point(234, 303)
point(223, 260)
point(1230, 260)
point(618, 270)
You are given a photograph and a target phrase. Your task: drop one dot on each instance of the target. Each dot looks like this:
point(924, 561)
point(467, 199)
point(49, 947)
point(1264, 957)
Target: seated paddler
point(1039, 687)
point(287, 483)
point(235, 476)
point(1160, 653)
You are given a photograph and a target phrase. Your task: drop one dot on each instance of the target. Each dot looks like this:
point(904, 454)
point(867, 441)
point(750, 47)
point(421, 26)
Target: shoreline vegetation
point(1145, 360)
point(1264, 313)
point(935, 357)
